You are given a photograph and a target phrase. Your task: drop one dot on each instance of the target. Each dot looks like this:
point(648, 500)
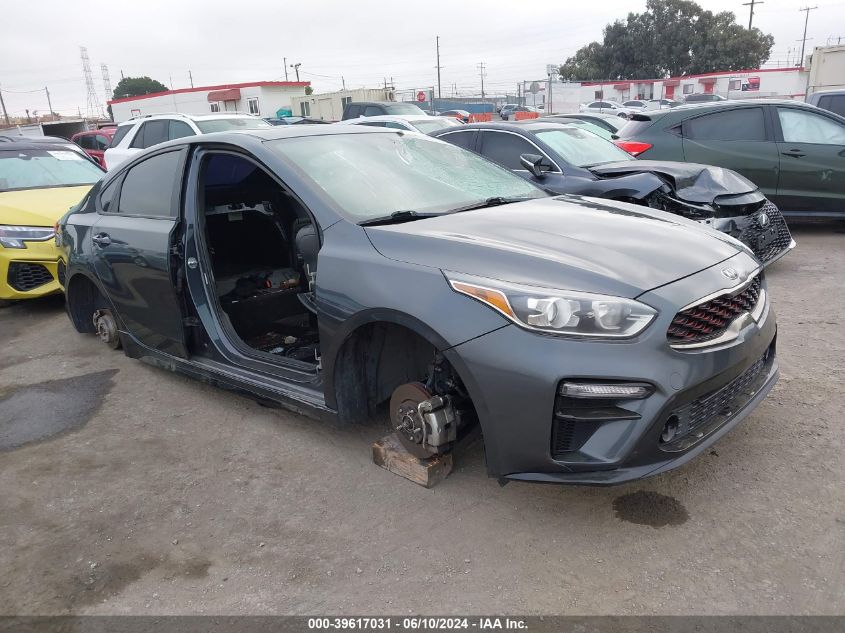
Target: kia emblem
point(730, 273)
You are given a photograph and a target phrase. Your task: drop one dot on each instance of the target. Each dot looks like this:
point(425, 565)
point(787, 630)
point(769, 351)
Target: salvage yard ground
point(166, 495)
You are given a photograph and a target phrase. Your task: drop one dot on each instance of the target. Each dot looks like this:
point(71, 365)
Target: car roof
point(212, 116)
point(41, 145)
point(390, 117)
point(581, 115)
point(530, 125)
point(716, 105)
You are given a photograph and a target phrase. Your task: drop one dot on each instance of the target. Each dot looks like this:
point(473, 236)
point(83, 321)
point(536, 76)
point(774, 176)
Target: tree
point(137, 86)
point(309, 90)
point(670, 38)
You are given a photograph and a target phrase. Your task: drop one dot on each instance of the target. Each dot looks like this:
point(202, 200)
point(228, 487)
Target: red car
point(95, 143)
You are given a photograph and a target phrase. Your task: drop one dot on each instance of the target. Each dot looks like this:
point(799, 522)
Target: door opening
point(262, 248)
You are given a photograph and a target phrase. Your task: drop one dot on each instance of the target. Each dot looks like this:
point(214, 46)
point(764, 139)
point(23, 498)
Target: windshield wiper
point(397, 217)
point(495, 201)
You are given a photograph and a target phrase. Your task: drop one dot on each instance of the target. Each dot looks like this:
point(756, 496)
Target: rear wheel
point(105, 328)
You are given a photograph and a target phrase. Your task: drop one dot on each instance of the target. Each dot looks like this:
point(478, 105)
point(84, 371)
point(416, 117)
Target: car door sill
point(256, 384)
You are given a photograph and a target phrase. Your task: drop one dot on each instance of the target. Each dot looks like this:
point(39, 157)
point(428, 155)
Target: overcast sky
point(363, 41)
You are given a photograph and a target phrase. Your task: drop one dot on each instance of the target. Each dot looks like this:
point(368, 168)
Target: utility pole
point(3, 107)
point(751, 16)
point(343, 81)
point(806, 11)
point(191, 77)
point(439, 96)
point(285, 64)
point(49, 105)
point(481, 73)
point(296, 68)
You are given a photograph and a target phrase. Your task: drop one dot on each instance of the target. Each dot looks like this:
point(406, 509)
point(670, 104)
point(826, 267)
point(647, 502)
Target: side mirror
point(534, 164)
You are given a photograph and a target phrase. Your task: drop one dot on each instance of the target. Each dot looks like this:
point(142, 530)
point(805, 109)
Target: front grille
point(710, 319)
point(701, 416)
point(24, 276)
point(767, 238)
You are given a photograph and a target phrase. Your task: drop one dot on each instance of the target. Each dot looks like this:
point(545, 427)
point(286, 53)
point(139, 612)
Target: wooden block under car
point(391, 455)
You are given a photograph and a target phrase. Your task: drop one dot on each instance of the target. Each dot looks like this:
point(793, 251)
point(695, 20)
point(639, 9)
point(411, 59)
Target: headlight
point(15, 236)
point(558, 311)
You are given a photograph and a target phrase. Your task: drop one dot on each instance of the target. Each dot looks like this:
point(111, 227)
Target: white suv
point(142, 132)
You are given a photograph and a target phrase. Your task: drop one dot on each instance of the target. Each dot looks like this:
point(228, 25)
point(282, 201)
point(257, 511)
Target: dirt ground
point(166, 496)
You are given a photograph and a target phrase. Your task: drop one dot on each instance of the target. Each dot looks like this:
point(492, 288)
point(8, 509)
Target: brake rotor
point(106, 328)
point(406, 419)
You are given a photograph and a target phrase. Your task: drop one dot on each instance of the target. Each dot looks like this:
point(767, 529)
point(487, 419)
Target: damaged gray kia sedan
point(354, 272)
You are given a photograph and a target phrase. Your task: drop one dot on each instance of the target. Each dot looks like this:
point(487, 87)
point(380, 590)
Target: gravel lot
point(169, 496)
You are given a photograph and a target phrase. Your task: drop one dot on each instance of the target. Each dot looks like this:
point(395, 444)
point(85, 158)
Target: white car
point(142, 132)
point(607, 107)
point(411, 122)
point(635, 104)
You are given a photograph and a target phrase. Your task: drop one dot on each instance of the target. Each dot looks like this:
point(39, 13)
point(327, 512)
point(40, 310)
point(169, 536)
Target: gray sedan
point(336, 269)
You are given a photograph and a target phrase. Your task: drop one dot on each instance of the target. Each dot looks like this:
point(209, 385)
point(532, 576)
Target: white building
point(328, 106)
point(785, 83)
point(264, 98)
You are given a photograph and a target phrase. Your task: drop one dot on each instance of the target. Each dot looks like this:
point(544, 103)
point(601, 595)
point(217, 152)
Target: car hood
point(39, 207)
point(692, 182)
point(567, 242)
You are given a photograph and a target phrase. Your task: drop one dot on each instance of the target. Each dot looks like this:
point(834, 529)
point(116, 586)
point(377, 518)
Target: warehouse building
point(262, 98)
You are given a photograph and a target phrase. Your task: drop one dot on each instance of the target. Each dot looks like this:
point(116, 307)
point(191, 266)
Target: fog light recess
point(670, 430)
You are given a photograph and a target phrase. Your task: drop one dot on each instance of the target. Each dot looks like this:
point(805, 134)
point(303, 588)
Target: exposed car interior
point(262, 246)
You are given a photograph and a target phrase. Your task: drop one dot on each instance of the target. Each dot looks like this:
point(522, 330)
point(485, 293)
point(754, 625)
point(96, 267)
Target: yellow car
point(39, 182)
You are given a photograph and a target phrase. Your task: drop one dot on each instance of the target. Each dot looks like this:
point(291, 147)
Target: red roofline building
point(262, 98)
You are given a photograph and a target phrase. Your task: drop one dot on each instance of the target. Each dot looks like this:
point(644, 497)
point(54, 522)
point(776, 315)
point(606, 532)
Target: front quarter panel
point(356, 285)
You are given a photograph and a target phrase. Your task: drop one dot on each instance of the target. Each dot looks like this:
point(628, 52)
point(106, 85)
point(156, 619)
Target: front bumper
point(513, 377)
point(31, 272)
point(765, 232)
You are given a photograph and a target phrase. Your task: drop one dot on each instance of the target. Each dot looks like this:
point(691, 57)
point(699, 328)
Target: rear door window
point(833, 103)
point(151, 133)
point(505, 149)
point(149, 188)
point(101, 142)
point(461, 139)
point(373, 111)
point(86, 141)
point(353, 111)
point(743, 124)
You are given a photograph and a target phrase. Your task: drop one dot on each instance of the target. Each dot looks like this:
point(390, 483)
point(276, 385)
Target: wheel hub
point(106, 328)
point(407, 421)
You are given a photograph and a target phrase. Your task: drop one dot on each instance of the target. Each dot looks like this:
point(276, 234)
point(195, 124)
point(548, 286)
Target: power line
point(803, 40)
point(751, 15)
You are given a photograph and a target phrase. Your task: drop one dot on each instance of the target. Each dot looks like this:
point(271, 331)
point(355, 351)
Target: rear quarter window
point(122, 131)
point(745, 124)
point(634, 127)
